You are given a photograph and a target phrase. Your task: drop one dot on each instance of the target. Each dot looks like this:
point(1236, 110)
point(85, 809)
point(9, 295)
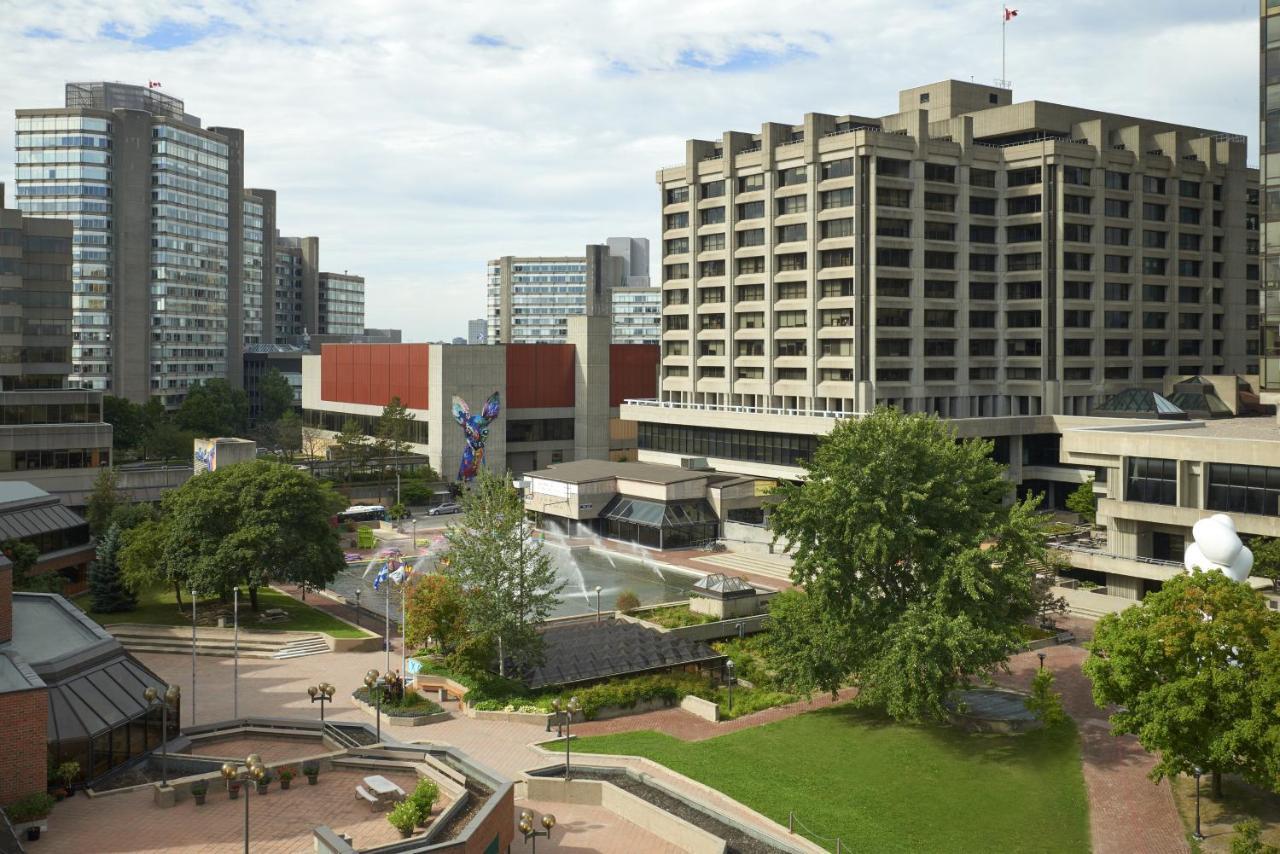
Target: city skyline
point(426, 188)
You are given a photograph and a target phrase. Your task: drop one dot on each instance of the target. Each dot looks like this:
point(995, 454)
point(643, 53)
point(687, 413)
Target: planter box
point(704, 709)
point(403, 720)
point(542, 719)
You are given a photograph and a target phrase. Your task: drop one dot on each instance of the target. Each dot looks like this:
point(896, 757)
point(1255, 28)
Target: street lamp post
point(530, 834)
point(371, 682)
point(569, 709)
point(252, 774)
point(193, 656)
point(1041, 655)
point(597, 603)
point(235, 671)
point(729, 666)
point(166, 697)
point(1198, 836)
point(322, 693)
point(358, 608)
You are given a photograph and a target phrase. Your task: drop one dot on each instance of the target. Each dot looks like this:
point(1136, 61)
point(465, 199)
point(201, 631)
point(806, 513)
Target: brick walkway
point(272, 749)
point(279, 823)
point(1128, 814)
point(684, 726)
point(581, 828)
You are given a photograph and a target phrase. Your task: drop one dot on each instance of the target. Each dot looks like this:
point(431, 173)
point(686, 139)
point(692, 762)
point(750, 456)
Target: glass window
point(1152, 480)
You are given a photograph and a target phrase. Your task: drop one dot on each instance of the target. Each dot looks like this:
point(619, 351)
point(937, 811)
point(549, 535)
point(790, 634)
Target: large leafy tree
point(142, 560)
point(1266, 557)
point(128, 422)
point(214, 408)
point(24, 557)
point(104, 501)
point(1083, 501)
point(107, 588)
point(510, 583)
point(436, 611)
point(352, 445)
point(392, 439)
point(275, 396)
point(1192, 672)
point(252, 523)
point(911, 557)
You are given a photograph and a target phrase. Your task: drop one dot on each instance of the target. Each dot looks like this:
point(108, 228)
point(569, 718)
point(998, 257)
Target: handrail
point(745, 410)
point(1073, 547)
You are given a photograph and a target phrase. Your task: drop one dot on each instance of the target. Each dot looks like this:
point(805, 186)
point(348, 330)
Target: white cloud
point(417, 151)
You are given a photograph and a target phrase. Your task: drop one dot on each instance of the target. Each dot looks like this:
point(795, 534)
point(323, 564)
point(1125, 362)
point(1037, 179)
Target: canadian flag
point(1010, 13)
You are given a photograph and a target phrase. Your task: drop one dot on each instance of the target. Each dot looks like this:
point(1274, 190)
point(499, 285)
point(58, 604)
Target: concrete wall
point(591, 337)
point(23, 718)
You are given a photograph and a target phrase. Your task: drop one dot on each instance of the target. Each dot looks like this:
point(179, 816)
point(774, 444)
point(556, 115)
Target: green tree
point(131, 515)
point(1191, 672)
point(436, 611)
point(214, 408)
point(250, 524)
point(1044, 701)
point(1083, 501)
point(352, 445)
point(392, 439)
point(142, 560)
point(510, 583)
point(107, 589)
point(289, 434)
point(24, 557)
point(168, 441)
point(1248, 839)
point(128, 423)
point(902, 537)
point(275, 396)
point(105, 499)
point(1266, 557)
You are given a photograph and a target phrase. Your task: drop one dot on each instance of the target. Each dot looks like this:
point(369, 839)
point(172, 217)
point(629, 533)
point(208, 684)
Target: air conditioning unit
point(694, 463)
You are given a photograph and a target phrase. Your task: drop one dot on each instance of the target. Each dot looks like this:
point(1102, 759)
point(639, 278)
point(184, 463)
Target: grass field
point(156, 607)
point(888, 788)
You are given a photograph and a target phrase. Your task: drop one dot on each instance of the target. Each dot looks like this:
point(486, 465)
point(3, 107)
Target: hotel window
point(1022, 319)
point(842, 375)
point(982, 347)
point(1022, 233)
point(1155, 293)
point(1153, 185)
point(935, 289)
point(676, 220)
point(1189, 294)
point(982, 373)
point(842, 258)
point(1116, 180)
point(1077, 319)
point(1155, 239)
point(982, 234)
point(1077, 374)
point(1115, 319)
point(792, 205)
point(790, 177)
point(982, 205)
point(939, 374)
point(940, 231)
point(711, 268)
point(1077, 290)
point(893, 317)
point(1153, 347)
point(1152, 480)
point(893, 168)
point(1116, 208)
point(748, 373)
point(835, 317)
point(1244, 489)
point(1154, 212)
point(1189, 216)
point(982, 290)
point(1113, 236)
point(982, 177)
point(842, 346)
point(1022, 347)
point(887, 257)
point(893, 197)
point(790, 319)
point(1188, 242)
point(1189, 189)
point(1189, 348)
point(791, 374)
point(1022, 290)
point(791, 233)
point(1022, 262)
point(708, 372)
point(1023, 177)
point(751, 265)
point(935, 260)
point(677, 195)
point(676, 297)
point(1116, 372)
point(750, 348)
point(749, 320)
point(886, 287)
point(1077, 233)
point(1116, 347)
point(1022, 205)
point(1154, 266)
point(893, 375)
point(937, 318)
point(1154, 319)
point(791, 261)
point(837, 287)
point(676, 246)
point(676, 271)
point(840, 199)
point(708, 242)
point(752, 236)
point(842, 168)
point(982, 319)
point(793, 290)
point(1079, 261)
point(945, 202)
point(1077, 347)
point(792, 347)
point(750, 210)
point(675, 322)
point(1077, 204)
point(712, 189)
point(1078, 175)
point(835, 228)
point(1118, 291)
point(980, 262)
point(708, 296)
point(1188, 268)
point(750, 183)
point(940, 347)
point(941, 172)
point(711, 216)
point(711, 321)
point(890, 227)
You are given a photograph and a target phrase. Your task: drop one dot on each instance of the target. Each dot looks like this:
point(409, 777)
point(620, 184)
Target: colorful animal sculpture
point(476, 430)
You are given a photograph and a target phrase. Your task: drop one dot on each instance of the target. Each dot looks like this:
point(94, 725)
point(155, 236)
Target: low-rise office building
point(555, 402)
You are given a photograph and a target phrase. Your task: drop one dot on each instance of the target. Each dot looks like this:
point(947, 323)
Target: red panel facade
point(374, 373)
point(633, 372)
point(539, 375)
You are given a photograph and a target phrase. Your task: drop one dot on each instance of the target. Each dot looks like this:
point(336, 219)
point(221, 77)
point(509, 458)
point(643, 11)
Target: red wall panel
point(539, 375)
point(372, 374)
point(633, 371)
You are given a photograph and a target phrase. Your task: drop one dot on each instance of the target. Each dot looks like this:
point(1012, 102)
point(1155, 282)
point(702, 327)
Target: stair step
point(186, 650)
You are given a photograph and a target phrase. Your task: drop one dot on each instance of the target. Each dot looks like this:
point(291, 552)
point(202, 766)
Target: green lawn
point(156, 607)
point(883, 787)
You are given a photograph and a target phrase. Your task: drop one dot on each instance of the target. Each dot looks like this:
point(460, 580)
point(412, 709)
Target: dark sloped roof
point(33, 521)
point(589, 652)
point(1201, 404)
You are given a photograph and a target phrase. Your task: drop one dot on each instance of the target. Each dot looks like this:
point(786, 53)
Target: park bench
point(274, 615)
point(375, 803)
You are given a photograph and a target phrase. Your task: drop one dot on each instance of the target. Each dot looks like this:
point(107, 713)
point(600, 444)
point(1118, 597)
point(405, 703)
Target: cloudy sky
point(420, 138)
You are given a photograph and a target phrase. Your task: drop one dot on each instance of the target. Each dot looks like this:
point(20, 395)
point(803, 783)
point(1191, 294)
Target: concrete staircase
point(769, 566)
point(218, 642)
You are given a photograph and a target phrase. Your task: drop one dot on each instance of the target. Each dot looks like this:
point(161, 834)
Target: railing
point(745, 410)
point(1075, 547)
point(793, 820)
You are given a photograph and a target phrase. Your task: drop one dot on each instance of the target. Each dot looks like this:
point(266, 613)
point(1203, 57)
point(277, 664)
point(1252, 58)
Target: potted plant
point(198, 790)
point(404, 817)
point(233, 789)
point(30, 812)
point(265, 782)
point(311, 770)
point(286, 774)
point(425, 795)
point(67, 772)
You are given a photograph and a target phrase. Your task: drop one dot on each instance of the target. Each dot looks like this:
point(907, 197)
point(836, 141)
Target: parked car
point(445, 509)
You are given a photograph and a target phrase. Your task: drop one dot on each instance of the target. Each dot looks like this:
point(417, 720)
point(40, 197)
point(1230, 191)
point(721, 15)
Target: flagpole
point(1004, 25)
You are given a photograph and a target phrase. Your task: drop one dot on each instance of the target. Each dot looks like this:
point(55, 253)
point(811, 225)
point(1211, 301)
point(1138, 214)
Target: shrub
point(200, 787)
point(405, 815)
point(1248, 839)
point(627, 601)
point(31, 808)
point(67, 772)
point(287, 773)
point(425, 795)
point(1045, 702)
point(310, 768)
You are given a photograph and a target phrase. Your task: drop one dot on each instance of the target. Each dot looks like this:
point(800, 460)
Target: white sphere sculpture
point(1217, 546)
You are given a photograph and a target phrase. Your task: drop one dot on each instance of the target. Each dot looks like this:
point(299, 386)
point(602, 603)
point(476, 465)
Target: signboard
point(413, 667)
point(764, 487)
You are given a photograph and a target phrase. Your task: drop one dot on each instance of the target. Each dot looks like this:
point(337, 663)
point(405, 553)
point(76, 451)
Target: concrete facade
point(340, 305)
point(967, 256)
point(297, 286)
point(1269, 145)
point(157, 203)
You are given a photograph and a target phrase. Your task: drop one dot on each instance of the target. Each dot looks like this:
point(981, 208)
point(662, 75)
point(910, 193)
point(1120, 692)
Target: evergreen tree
point(106, 586)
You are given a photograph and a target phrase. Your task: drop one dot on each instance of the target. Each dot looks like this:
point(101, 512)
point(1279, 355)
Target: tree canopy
point(510, 583)
point(1193, 670)
point(104, 501)
point(1083, 501)
point(250, 523)
point(437, 611)
point(917, 573)
point(214, 408)
point(107, 589)
point(275, 396)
